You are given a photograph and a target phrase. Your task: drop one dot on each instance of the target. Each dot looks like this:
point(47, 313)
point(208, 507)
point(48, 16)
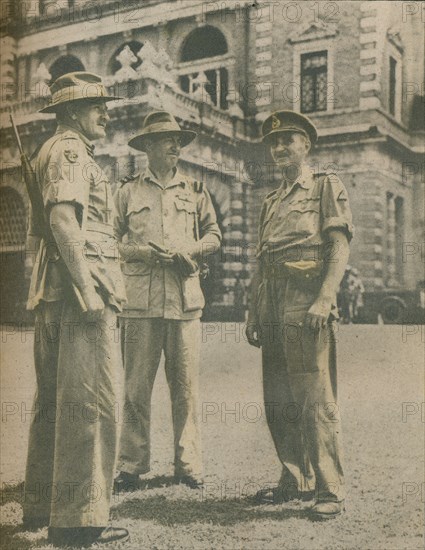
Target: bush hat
point(288, 121)
point(76, 86)
point(160, 123)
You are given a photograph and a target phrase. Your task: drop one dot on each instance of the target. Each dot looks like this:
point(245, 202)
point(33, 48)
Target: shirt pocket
point(186, 211)
point(193, 297)
point(137, 278)
point(303, 216)
point(139, 216)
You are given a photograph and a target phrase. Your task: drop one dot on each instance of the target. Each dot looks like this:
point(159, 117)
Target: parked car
point(393, 306)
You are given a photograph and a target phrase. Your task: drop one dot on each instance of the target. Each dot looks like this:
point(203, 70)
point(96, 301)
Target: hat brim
point(139, 142)
point(54, 108)
point(312, 134)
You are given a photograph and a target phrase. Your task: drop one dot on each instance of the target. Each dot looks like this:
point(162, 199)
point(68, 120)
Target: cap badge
point(275, 122)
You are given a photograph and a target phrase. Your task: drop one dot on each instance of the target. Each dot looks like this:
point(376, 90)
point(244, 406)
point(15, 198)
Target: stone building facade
point(220, 67)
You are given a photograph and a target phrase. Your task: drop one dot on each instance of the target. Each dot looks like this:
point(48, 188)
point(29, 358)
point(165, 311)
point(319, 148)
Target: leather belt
point(302, 270)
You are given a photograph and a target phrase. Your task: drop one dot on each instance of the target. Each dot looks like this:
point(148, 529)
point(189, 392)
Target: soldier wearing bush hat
point(167, 225)
point(76, 292)
point(305, 227)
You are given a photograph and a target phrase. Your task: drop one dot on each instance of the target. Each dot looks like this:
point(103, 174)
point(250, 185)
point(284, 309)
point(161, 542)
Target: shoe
point(279, 495)
point(190, 481)
point(111, 534)
point(326, 510)
point(33, 524)
point(85, 536)
point(126, 482)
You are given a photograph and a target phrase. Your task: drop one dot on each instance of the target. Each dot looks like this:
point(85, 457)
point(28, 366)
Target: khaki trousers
point(299, 379)
point(72, 443)
point(143, 341)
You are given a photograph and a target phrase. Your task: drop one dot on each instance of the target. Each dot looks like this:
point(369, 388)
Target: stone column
point(391, 240)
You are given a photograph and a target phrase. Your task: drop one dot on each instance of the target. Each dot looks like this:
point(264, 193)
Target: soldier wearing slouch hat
point(76, 359)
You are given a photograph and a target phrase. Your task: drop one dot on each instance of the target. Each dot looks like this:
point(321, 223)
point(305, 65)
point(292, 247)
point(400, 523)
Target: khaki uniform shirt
point(170, 216)
point(67, 173)
point(294, 221)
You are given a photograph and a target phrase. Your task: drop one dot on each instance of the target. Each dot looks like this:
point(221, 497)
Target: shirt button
point(165, 212)
point(166, 235)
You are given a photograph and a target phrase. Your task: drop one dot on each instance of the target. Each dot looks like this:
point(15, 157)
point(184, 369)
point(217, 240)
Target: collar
point(304, 180)
point(62, 128)
point(177, 179)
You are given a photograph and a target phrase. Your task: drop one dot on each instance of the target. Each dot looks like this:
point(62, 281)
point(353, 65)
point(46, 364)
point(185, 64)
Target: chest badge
point(70, 155)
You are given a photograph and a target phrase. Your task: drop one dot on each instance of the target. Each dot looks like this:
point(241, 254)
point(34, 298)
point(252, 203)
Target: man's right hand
point(94, 303)
point(144, 253)
point(163, 258)
point(253, 334)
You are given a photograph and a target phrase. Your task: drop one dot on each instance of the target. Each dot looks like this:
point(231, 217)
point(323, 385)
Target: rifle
point(41, 225)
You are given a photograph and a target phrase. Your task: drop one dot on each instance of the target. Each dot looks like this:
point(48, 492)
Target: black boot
point(126, 482)
point(85, 536)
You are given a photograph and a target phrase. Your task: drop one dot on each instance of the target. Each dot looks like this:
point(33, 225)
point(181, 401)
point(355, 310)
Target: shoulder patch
point(71, 155)
point(342, 196)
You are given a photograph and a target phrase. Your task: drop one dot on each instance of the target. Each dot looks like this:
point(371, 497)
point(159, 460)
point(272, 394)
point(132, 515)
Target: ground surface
point(381, 387)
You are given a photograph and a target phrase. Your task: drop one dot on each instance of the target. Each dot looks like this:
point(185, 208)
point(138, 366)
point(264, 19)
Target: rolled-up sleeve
point(207, 216)
point(335, 207)
point(66, 178)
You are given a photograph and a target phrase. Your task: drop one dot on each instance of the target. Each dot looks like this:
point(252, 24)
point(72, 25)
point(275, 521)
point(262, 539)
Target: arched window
point(125, 58)
point(203, 42)
point(203, 71)
point(65, 64)
point(12, 219)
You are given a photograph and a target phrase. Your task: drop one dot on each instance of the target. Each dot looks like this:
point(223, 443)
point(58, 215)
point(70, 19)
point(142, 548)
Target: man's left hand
point(318, 314)
point(184, 263)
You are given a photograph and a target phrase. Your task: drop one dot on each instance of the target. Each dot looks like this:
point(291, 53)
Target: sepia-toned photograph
point(212, 260)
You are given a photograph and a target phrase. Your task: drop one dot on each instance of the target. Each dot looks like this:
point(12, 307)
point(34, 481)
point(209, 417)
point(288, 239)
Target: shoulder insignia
point(198, 186)
point(342, 196)
point(129, 178)
point(70, 155)
point(332, 177)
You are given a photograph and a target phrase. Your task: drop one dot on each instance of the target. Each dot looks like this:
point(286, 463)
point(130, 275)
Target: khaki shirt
point(170, 216)
point(67, 173)
point(294, 221)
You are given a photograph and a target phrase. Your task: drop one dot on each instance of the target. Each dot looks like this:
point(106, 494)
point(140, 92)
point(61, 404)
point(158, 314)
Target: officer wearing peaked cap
point(167, 224)
point(76, 359)
point(304, 233)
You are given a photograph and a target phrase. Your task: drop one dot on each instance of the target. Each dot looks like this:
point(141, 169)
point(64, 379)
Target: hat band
point(72, 93)
point(161, 127)
point(287, 129)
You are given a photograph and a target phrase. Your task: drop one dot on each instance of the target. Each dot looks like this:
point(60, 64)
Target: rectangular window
point(399, 238)
point(314, 81)
point(393, 84)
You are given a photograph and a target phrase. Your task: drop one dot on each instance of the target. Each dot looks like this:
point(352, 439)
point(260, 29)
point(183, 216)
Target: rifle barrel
point(17, 136)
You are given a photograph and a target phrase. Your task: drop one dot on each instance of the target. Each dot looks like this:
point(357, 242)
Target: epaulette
point(269, 195)
point(128, 178)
